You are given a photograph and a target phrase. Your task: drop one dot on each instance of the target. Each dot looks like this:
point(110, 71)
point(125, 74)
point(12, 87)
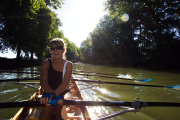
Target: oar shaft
point(165, 104)
point(29, 85)
point(101, 82)
point(90, 103)
point(122, 78)
point(65, 102)
point(39, 73)
point(104, 76)
point(94, 72)
point(111, 76)
point(18, 79)
point(96, 103)
point(20, 72)
point(95, 81)
point(21, 104)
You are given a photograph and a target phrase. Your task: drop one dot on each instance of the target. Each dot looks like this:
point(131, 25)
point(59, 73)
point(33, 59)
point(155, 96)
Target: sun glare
point(80, 17)
point(103, 90)
point(125, 17)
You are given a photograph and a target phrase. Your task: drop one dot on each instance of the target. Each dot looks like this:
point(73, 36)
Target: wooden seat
point(34, 114)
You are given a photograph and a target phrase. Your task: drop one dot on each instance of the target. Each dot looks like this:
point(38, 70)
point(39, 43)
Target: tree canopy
point(28, 25)
point(134, 33)
point(149, 38)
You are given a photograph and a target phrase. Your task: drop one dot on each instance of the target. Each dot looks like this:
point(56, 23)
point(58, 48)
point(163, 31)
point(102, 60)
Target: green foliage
point(72, 52)
point(28, 25)
point(111, 44)
point(25, 24)
point(86, 50)
point(16, 18)
point(148, 38)
point(54, 3)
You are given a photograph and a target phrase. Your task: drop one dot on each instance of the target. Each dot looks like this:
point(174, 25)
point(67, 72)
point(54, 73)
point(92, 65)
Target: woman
point(55, 76)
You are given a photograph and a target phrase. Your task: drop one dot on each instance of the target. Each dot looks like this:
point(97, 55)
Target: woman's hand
point(45, 100)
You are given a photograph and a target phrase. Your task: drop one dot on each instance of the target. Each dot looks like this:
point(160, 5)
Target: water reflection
point(104, 91)
point(8, 91)
point(129, 93)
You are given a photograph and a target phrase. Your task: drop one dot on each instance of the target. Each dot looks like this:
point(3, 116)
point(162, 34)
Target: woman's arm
point(67, 77)
point(44, 77)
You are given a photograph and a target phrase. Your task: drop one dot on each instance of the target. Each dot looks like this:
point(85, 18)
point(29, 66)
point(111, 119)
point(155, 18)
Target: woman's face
point(56, 51)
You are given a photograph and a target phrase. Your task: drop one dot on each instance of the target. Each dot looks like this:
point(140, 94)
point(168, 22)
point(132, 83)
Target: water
point(10, 91)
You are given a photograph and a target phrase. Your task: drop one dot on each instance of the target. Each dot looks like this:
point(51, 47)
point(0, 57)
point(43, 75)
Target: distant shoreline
point(12, 63)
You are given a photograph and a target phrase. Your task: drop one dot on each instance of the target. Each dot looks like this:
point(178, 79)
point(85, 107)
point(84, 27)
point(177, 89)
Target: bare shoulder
point(70, 65)
point(45, 63)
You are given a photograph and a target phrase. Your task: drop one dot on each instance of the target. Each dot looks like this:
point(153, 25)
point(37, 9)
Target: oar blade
point(145, 80)
point(176, 87)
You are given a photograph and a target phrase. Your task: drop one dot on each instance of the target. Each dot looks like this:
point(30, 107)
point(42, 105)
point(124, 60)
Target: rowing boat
point(74, 112)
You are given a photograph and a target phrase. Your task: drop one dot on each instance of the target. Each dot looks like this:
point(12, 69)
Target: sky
point(79, 18)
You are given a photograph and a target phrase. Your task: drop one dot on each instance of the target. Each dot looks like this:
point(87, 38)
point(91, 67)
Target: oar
point(95, 81)
point(94, 72)
point(118, 83)
point(39, 73)
point(134, 104)
point(5, 71)
point(21, 104)
point(18, 79)
point(143, 80)
point(29, 85)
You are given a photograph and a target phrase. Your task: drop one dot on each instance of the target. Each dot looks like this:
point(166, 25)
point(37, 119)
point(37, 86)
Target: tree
point(72, 52)
point(26, 23)
point(148, 38)
point(17, 20)
point(151, 23)
point(54, 3)
point(86, 50)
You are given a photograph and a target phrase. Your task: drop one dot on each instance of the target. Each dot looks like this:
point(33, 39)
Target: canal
point(11, 91)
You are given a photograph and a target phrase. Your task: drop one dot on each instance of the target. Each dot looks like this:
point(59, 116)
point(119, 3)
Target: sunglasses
point(57, 48)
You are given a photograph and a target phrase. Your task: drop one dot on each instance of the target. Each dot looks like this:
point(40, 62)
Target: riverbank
point(6, 63)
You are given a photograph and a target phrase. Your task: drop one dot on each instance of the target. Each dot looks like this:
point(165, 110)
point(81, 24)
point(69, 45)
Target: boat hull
point(74, 112)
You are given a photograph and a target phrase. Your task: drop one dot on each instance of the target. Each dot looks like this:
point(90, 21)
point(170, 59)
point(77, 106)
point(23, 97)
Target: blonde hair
point(58, 42)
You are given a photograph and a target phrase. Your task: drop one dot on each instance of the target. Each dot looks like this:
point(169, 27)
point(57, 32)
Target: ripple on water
point(8, 91)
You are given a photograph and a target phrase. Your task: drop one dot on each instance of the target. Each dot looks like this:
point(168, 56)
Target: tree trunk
point(18, 52)
point(31, 55)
